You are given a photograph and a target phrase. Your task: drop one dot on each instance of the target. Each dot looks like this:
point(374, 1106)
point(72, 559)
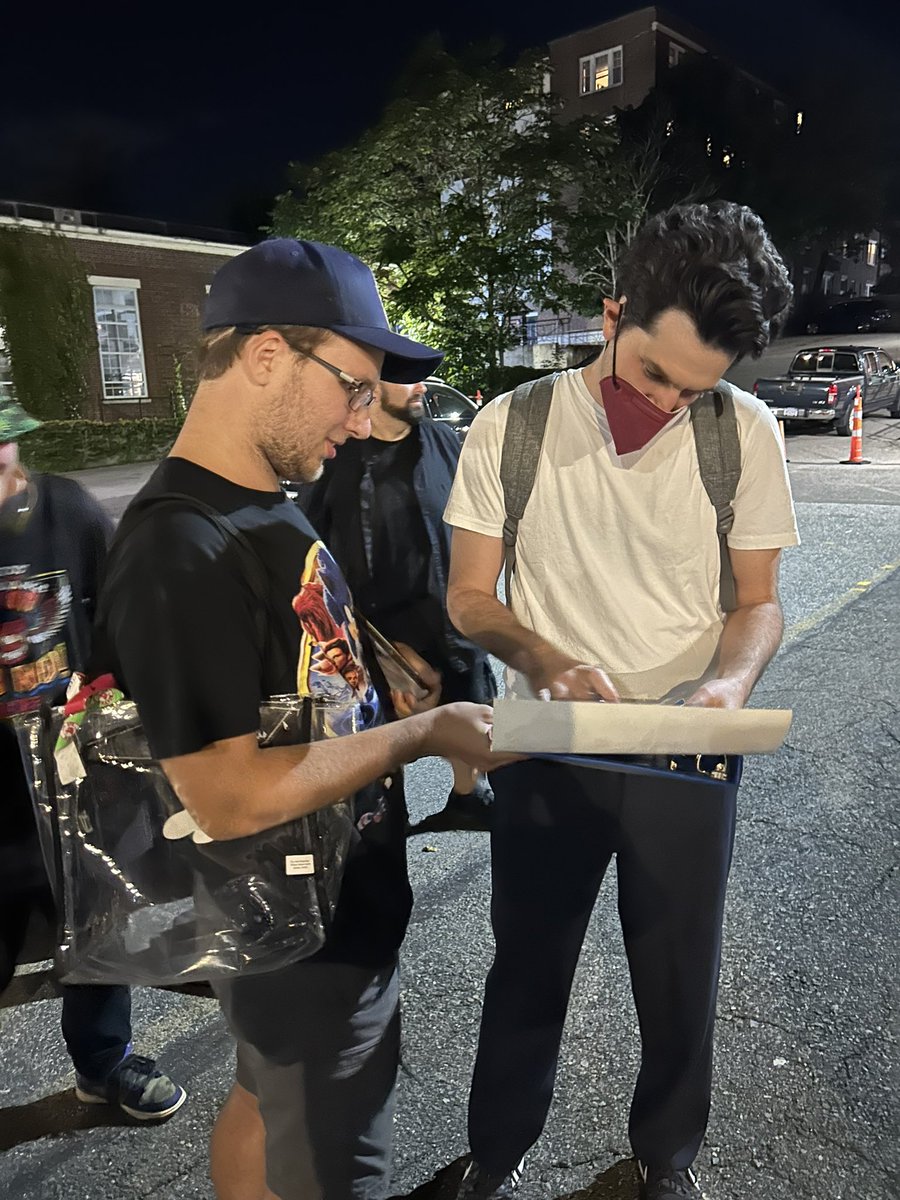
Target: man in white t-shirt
point(615, 597)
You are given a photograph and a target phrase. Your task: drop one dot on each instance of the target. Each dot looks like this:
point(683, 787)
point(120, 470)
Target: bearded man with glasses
point(295, 342)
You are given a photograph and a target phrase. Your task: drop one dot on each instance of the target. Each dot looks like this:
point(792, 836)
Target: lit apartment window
point(799, 121)
point(676, 54)
point(119, 335)
point(601, 71)
point(872, 254)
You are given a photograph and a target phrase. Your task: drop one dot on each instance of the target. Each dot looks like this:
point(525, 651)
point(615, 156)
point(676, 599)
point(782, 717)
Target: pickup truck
point(822, 381)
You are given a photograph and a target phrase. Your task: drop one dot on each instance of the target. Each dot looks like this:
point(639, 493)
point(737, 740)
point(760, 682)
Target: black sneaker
point(478, 1184)
point(470, 810)
point(665, 1183)
point(137, 1087)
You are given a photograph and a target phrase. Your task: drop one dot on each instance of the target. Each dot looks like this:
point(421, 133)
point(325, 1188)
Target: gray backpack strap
point(714, 421)
point(529, 407)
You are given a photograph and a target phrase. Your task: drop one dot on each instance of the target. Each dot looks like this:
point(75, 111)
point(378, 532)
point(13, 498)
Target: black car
point(445, 404)
point(853, 316)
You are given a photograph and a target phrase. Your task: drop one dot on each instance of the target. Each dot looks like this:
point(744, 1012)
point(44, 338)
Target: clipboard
point(586, 727)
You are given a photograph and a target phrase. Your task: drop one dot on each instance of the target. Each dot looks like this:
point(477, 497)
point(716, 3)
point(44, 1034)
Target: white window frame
point(6, 385)
point(676, 53)
point(590, 64)
point(126, 285)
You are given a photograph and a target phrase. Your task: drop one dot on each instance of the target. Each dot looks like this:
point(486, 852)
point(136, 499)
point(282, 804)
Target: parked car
point(445, 404)
point(822, 381)
point(853, 316)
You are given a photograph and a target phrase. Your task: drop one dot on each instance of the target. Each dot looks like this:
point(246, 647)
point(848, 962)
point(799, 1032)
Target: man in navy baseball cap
point(295, 344)
point(288, 282)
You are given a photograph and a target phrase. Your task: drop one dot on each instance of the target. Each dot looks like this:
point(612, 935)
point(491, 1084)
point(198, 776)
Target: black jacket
point(342, 507)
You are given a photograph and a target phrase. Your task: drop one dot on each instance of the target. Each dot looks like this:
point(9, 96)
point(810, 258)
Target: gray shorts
point(319, 1046)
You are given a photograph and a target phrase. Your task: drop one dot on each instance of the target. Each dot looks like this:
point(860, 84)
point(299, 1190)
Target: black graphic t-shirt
point(51, 558)
point(180, 632)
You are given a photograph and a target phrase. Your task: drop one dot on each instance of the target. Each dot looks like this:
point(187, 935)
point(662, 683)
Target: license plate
point(787, 412)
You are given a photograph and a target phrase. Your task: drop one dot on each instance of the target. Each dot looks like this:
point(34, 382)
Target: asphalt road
point(805, 1103)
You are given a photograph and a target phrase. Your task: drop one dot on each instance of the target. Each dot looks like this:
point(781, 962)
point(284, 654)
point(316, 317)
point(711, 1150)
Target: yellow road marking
point(799, 628)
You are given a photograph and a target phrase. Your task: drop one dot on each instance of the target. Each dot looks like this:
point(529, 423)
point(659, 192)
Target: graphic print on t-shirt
point(331, 661)
point(331, 664)
point(34, 610)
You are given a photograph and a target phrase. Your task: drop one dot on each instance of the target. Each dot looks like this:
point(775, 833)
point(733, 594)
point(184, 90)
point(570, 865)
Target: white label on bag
point(69, 766)
point(299, 864)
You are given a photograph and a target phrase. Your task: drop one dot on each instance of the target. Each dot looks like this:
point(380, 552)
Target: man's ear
point(260, 354)
point(612, 311)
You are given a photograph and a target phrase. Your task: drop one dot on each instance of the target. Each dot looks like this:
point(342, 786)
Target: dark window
point(446, 404)
point(813, 362)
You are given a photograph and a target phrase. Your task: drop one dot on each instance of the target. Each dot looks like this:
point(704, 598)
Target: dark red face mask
point(633, 419)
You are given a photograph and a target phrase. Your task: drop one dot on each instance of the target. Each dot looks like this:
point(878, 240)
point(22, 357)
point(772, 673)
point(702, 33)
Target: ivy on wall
point(47, 317)
point(74, 445)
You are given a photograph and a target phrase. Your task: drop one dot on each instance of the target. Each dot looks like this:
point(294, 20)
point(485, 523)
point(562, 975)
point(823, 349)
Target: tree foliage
point(610, 195)
point(45, 313)
point(463, 200)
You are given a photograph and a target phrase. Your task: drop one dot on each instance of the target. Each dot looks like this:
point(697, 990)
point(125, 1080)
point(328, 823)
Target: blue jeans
point(96, 1019)
point(96, 1024)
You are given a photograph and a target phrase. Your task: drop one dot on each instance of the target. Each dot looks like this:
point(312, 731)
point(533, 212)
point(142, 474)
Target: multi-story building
point(851, 269)
point(615, 66)
point(618, 63)
point(148, 280)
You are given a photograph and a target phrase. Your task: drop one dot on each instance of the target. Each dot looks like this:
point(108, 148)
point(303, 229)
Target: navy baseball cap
point(288, 282)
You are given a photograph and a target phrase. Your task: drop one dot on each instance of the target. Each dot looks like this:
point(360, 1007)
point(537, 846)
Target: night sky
point(183, 114)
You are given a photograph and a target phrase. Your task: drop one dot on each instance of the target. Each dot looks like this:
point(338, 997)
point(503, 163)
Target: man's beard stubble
point(402, 412)
point(287, 445)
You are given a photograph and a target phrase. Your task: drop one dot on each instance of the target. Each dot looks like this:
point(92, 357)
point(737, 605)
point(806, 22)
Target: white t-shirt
point(617, 559)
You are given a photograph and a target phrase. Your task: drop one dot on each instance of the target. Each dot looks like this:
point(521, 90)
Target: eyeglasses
point(359, 393)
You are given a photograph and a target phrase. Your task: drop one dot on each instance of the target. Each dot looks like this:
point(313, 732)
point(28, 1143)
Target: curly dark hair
point(715, 262)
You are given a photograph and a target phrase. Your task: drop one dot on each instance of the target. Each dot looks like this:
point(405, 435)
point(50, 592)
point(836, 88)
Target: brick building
point(148, 281)
point(617, 63)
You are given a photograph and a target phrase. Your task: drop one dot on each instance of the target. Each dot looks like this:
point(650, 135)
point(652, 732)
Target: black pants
point(555, 830)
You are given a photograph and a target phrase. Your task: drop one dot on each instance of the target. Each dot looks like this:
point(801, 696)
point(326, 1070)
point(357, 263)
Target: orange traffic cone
point(856, 459)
